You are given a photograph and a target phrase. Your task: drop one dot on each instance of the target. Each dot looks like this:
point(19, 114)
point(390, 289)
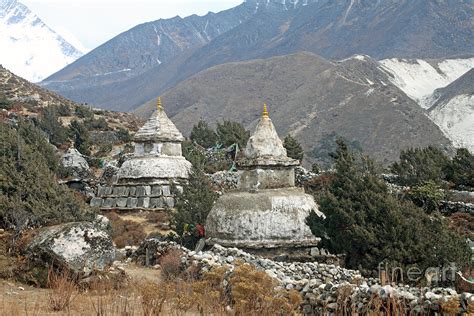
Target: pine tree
point(29, 193)
point(80, 135)
point(420, 165)
point(229, 133)
point(203, 135)
point(461, 170)
point(368, 224)
point(195, 203)
point(293, 148)
point(50, 124)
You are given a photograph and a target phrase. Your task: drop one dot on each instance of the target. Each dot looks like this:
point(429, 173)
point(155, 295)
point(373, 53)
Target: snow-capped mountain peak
point(29, 47)
point(420, 78)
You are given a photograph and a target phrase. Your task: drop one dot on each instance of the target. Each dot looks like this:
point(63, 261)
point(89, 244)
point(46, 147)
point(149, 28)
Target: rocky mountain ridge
point(29, 47)
point(453, 110)
point(445, 87)
point(312, 98)
point(262, 29)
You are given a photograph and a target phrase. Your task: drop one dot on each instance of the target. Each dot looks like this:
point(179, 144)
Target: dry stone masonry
point(267, 210)
point(145, 181)
point(326, 289)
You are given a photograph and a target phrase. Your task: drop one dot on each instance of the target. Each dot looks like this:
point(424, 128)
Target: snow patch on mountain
point(29, 47)
point(456, 120)
point(420, 78)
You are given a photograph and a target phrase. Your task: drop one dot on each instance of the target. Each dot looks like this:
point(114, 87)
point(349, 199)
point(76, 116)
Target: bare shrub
point(210, 292)
point(463, 223)
point(125, 232)
point(253, 292)
point(450, 307)
point(63, 288)
point(153, 297)
point(101, 282)
point(344, 294)
point(171, 264)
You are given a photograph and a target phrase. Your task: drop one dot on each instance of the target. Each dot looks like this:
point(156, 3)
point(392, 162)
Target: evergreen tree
point(50, 124)
point(203, 135)
point(84, 112)
point(420, 165)
point(195, 203)
point(368, 224)
point(29, 193)
point(293, 148)
point(33, 138)
point(427, 196)
point(229, 133)
point(80, 135)
point(194, 155)
point(461, 171)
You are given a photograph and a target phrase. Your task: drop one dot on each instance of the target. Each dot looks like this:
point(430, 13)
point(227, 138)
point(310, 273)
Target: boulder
point(80, 247)
point(76, 163)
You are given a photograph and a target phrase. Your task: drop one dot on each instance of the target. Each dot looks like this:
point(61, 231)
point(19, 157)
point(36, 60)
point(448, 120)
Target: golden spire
point(159, 107)
point(265, 111)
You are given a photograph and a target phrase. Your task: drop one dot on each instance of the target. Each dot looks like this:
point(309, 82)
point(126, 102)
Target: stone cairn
point(266, 212)
point(144, 181)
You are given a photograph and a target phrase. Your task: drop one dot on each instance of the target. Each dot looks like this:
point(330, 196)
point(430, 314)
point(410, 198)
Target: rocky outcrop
point(73, 161)
point(80, 247)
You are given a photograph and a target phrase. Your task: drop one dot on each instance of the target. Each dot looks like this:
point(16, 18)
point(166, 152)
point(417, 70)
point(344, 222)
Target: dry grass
point(170, 264)
point(63, 290)
point(253, 292)
point(451, 307)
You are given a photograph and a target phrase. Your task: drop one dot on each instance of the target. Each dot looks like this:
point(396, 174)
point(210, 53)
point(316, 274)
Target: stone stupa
point(267, 211)
point(144, 181)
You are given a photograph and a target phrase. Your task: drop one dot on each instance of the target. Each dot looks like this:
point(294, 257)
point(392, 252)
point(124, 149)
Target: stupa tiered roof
point(264, 147)
point(158, 128)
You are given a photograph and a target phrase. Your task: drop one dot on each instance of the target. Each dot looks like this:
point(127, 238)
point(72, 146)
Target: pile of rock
point(363, 298)
point(302, 176)
point(450, 207)
point(325, 288)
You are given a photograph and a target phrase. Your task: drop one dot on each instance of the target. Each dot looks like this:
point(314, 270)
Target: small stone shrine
point(267, 211)
point(144, 181)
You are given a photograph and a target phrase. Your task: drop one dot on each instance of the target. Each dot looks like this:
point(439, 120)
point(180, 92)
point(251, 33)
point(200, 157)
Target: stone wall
point(130, 197)
point(326, 289)
point(449, 207)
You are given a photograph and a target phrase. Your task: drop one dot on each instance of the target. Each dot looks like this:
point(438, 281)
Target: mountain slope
point(19, 97)
point(333, 29)
point(420, 78)
point(28, 46)
point(310, 97)
point(143, 47)
point(453, 111)
point(16, 89)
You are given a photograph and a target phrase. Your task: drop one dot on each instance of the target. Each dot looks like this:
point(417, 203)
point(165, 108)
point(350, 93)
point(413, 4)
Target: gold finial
point(159, 107)
point(265, 111)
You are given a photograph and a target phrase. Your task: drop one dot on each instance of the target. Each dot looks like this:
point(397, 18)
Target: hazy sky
point(93, 22)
